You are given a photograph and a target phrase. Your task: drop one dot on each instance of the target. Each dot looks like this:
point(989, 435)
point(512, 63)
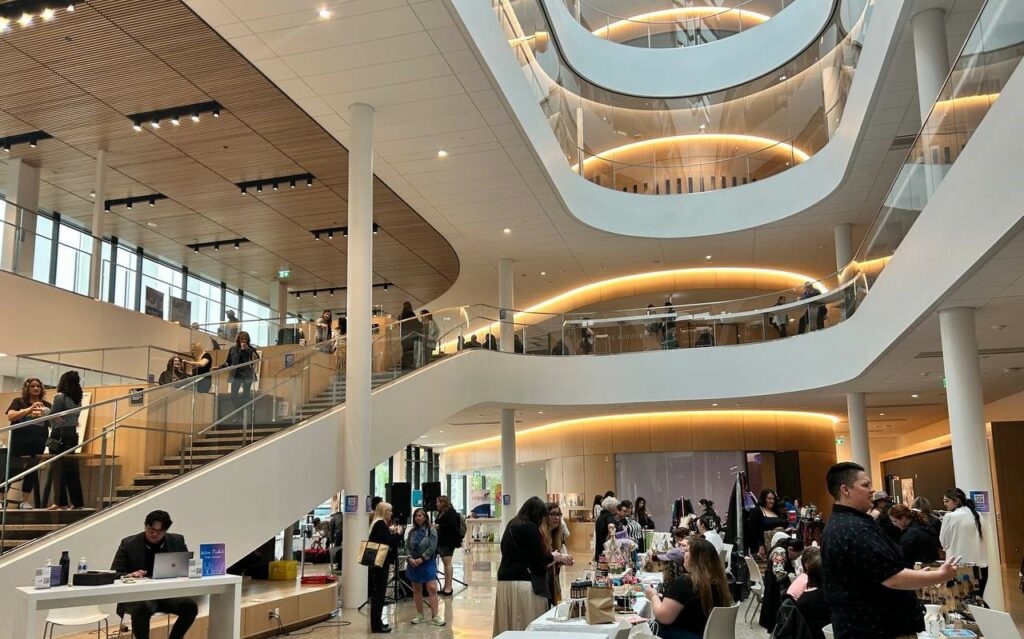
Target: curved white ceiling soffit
point(641, 72)
point(692, 214)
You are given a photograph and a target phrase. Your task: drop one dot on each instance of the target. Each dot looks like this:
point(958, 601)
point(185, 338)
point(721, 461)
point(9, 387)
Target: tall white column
point(965, 404)
point(506, 303)
point(99, 188)
point(508, 466)
point(857, 416)
point(355, 436)
point(19, 232)
point(931, 56)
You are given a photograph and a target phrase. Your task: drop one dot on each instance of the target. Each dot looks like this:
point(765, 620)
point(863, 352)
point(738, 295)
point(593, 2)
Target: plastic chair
point(994, 623)
point(75, 616)
point(722, 623)
point(728, 556)
point(756, 588)
point(827, 630)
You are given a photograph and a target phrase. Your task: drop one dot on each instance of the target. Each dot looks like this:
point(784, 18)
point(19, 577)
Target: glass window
point(381, 477)
point(163, 278)
point(74, 260)
point(205, 299)
point(42, 250)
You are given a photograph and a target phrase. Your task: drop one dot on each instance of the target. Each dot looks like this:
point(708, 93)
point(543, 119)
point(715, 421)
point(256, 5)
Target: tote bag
point(372, 554)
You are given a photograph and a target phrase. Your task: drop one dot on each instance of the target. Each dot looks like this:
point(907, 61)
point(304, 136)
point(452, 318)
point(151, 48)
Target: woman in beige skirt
point(523, 593)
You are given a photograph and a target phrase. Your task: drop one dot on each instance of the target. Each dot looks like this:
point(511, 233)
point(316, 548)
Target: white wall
point(691, 214)
point(735, 60)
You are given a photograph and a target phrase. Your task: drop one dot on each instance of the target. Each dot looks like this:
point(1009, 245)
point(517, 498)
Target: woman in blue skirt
point(421, 568)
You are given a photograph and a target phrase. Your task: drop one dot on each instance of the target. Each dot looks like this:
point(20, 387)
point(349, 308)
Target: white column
point(931, 56)
point(100, 196)
point(19, 233)
point(965, 404)
point(508, 466)
point(506, 303)
point(355, 436)
point(857, 416)
point(843, 234)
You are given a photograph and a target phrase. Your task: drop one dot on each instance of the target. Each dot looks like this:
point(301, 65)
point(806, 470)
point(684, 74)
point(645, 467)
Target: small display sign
point(351, 503)
point(135, 397)
point(213, 558)
point(506, 500)
point(289, 360)
point(980, 498)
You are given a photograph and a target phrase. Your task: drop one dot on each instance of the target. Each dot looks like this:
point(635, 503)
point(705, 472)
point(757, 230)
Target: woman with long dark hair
point(523, 593)
point(683, 612)
point(448, 539)
point(28, 442)
point(63, 437)
point(243, 352)
point(961, 533)
point(558, 533)
point(764, 517)
point(175, 371)
point(642, 516)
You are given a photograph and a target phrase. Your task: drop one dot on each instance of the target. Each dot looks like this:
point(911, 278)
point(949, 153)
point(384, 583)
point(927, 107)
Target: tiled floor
point(469, 612)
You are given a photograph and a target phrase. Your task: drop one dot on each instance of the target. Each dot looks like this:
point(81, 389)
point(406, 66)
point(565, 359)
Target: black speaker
point(399, 495)
point(431, 491)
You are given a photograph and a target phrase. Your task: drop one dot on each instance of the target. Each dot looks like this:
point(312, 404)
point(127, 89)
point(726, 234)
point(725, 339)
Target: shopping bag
point(600, 606)
point(372, 554)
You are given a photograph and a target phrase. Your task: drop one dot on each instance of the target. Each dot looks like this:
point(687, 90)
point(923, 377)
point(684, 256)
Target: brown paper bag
point(600, 606)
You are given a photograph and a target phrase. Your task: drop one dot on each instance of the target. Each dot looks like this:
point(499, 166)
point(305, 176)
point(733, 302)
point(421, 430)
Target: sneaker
point(420, 618)
point(437, 620)
point(26, 505)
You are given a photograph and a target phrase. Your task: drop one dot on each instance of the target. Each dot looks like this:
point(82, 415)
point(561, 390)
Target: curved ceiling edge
point(691, 214)
point(640, 72)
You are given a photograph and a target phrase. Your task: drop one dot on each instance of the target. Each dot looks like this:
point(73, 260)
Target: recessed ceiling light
point(781, 78)
point(914, 395)
point(324, 13)
point(881, 414)
point(440, 431)
point(543, 272)
point(47, 14)
point(441, 153)
point(540, 412)
point(715, 404)
point(703, 126)
point(506, 230)
point(152, 224)
point(707, 258)
point(25, 19)
point(92, 193)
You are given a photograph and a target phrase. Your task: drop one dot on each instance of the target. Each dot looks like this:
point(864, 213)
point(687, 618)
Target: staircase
point(24, 526)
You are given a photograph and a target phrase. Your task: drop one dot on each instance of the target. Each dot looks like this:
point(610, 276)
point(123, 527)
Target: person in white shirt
point(706, 527)
point(960, 534)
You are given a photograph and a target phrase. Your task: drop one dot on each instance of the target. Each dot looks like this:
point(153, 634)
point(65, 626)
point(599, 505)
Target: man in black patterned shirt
point(870, 592)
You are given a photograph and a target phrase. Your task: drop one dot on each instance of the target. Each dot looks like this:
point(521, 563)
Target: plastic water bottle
point(65, 567)
point(82, 566)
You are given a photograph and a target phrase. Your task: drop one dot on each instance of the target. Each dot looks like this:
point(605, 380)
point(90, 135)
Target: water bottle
point(65, 567)
point(82, 566)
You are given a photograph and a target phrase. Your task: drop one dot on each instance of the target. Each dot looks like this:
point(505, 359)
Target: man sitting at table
point(134, 558)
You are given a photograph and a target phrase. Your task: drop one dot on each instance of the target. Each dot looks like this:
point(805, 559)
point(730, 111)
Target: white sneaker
point(437, 620)
point(420, 618)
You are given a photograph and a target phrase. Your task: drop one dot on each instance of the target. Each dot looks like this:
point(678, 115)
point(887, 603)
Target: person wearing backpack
point(451, 528)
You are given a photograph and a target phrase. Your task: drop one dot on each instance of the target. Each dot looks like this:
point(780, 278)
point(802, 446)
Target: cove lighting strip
point(824, 417)
point(677, 14)
point(765, 144)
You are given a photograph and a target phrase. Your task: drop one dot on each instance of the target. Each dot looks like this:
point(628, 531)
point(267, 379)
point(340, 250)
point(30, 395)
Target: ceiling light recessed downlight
point(543, 272)
point(506, 230)
point(914, 395)
point(441, 153)
point(151, 224)
point(325, 13)
point(25, 19)
point(47, 14)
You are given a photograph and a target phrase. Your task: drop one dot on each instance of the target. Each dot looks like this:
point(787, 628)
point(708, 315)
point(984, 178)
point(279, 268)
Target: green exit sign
point(840, 441)
point(283, 274)
point(945, 383)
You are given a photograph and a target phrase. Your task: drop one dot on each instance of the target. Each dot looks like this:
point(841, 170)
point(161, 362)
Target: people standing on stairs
point(814, 312)
point(134, 558)
point(201, 364)
point(961, 533)
point(175, 371)
point(242, 377)
point(228, 331)
point(448, 525)
point(587, 339)
point(421, 566)
point(411, 335)
point(64, 437)
point(325, 331)
point(431, 333)
point(28, 442)
point(382, 532)
point(919, 542)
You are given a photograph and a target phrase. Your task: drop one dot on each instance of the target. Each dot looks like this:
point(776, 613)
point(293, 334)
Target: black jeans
point(241, 393)
point(378, 586)
point(69, 483)
point(184, 608)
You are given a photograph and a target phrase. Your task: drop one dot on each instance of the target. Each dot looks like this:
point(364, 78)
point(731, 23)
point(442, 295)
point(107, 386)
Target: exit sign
point(945, 383)
point(283, 274)
point(840, 441)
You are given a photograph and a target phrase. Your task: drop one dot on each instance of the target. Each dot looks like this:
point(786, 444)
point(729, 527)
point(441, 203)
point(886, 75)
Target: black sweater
point(919, 543)
point(381, 534)
point(601, 531)
point(522, 553)
point(448, 529)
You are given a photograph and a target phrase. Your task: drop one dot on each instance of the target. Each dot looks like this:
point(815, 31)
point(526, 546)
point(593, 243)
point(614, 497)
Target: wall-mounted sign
point(135, 397)
point(181, 311)
point(980, 499)
point(289, 360)
point(351, 503)
point(283, 274)
point(154, 302)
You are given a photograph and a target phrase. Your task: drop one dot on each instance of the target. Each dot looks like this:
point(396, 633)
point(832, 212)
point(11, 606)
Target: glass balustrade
point(670, 24)
point(688, 144)
point(120, 365)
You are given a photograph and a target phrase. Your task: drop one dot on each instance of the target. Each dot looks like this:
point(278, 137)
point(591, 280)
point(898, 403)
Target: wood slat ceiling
point(79, 76)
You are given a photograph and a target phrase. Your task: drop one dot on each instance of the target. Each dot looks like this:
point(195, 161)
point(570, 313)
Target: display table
point(225, 601)
point(476, 526)
point(546, 623)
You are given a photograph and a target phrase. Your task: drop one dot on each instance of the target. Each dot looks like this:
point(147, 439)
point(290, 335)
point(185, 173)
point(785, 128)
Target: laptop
point(168, 565)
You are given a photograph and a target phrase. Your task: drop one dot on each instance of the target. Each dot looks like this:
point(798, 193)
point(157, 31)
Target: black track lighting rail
point(175, 115)
point(314, 292)
point(32, 138)
point(237, 243)
point(130, 202)
point(319, 234)
point(276, 183)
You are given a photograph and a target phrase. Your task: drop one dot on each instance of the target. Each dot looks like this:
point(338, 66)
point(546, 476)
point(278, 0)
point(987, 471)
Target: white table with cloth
point(546, 623)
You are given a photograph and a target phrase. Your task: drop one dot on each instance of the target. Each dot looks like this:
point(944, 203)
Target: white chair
point(75, 616)
point(827, 630)
point(756, 588)
point(994, 623)
point(722, 623)
point(728, 556)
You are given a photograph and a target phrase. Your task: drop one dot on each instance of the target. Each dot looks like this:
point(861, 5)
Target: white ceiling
point(409, 60)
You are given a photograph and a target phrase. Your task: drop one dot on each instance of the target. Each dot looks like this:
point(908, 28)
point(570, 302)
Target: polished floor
point(469, 612)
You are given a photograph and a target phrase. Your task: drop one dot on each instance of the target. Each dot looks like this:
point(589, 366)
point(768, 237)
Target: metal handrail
point(108, 348)
point(81, 368)
point(590, 155)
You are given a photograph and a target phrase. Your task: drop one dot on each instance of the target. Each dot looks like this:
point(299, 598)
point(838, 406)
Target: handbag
point(372, 554)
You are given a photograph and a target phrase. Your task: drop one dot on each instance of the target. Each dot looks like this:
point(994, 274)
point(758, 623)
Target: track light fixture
point(315, 291)
point(32, 139)
point(375, 228)
point(128, 202)
point(174, 114)
point(237, 242)
point(330, 231)
point(275, 182)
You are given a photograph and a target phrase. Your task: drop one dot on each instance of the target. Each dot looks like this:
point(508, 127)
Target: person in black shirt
point(448, 539)
point(200, 366)
point(134, 558)
point(865, 582)
point(919, 542)
point(382, 532)
point(683, 612)
point(764, 517)
point(812, 604)
point(642, 516)
point(242, 377)
point(609, 508)
point(29, 441)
